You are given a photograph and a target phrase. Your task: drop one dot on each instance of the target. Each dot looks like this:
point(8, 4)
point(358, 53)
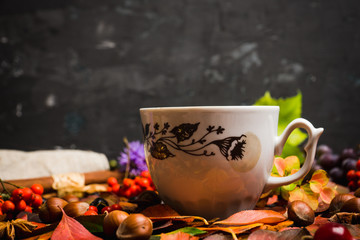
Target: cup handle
point(310, 149)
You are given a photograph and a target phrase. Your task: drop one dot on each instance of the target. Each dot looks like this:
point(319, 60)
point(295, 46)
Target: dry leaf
point(253, 216)
point(278, 226)
point(180, 218)
point(232, 230)
point(69, 229)
point(159, 210)
point(178, 236)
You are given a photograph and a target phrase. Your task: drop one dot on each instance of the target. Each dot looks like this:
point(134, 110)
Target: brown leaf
point(344, 217)
point(232, 230)
point(159, 210)
point(253, 216)
point(278, 226)
point(317, 223)
point(180, 218)
point(71, 229)
point(293, 234)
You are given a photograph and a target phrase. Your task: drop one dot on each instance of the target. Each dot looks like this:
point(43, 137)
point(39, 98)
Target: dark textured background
point(73, 74)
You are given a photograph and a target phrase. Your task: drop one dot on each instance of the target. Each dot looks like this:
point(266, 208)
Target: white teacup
point(216, 161)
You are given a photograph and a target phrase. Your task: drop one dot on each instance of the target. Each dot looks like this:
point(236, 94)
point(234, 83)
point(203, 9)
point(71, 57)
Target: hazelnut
point(338, 201)
point(75, 209)
point(352, 206)
point(50, 211)
point(112, 221)
point(301, 213)
point(135, 227)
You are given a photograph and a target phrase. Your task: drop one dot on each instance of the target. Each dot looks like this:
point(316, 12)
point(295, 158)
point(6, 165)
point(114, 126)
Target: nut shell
point(135, 227)
point(75, 209)
point(112, 221)
point(338, 201)
point(50, 211)
point(351, 206)
point(301, 213)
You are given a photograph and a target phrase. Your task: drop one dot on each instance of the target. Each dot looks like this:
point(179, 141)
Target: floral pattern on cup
point(179, 138)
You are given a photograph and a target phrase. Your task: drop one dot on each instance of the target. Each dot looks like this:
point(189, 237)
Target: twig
point(127, 169)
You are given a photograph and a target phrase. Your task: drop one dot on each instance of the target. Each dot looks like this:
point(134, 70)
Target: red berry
point(17, 194)
point(351, 175)
point(357, 173)
point(8, 206)
point(20, 205)
point(37, 188)
point(115, 206)
point(111, 181)
point(145, 174)
point(90, 212)
point(37, 201)
point(352, 185)
point(127, 182)
point(28, 209)
point(93, 208)
point(358, 164)
point(333, 231)
point(106, 209)
point(1, 202)
point(28, 195)
point(144, 182)
point(116, 188)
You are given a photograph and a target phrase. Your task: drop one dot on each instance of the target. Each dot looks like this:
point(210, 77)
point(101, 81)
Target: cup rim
point(212, 108)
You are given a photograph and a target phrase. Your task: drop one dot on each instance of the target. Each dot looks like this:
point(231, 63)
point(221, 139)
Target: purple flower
point(137, 158)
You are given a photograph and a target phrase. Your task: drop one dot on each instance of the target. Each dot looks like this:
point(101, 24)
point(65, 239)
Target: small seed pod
point(135, 227)
point(351, 206)
point(301, 213)
point(75, 209)
point(338, 201)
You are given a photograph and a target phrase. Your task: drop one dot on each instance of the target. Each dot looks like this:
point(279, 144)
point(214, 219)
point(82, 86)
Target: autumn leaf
point(285, 166)
point(159, 210)
point(70, 229)
point(233, 230)
point(318, 180)
point(253, 216)
point(304, 194)
point(178, 236)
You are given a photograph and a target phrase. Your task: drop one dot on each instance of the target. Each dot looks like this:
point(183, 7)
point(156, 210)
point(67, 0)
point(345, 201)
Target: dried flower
point(134, 151)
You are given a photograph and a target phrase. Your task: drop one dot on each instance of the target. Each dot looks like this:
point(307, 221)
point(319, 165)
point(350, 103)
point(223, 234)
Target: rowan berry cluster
point(353, 176)
point(131, 187)
point(22, 199)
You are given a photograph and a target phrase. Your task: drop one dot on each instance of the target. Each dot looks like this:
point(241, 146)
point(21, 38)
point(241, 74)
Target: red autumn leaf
point(178, 236)
point(70, 229)
point(253, 216)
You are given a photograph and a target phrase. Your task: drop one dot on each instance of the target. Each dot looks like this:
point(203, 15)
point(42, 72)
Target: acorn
point(75, 209)
point(50, 211)
point(301, 213)
point(338, 201)
point(112, 221)
point(135, 227)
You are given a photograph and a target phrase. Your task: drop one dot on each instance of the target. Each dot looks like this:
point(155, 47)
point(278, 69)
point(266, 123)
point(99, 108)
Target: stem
point(127, 169)
point(4, 188)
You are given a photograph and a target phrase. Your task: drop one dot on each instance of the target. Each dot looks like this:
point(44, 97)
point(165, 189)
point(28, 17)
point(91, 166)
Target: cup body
point(210, 161)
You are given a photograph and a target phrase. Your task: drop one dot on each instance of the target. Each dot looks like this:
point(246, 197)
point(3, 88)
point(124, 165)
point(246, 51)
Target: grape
point(337, 175)
point(329, 160)
point(348, 153)
point(322, 149)
point(349, 164)
point(333, 231)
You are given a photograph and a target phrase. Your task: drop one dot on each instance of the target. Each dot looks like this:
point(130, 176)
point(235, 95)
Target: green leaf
point(290, 109)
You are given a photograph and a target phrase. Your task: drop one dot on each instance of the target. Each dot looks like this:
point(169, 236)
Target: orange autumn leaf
point(253, 216)
point(45, 236)
point(327, 194)
point(318, 180)
point(178, 236)
point(232, 230)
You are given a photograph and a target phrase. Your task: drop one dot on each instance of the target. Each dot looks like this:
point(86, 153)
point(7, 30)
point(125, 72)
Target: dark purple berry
point(328, 160)
point(349, 164)
point(337, 175)
point(322, 149)
point(348, 153)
